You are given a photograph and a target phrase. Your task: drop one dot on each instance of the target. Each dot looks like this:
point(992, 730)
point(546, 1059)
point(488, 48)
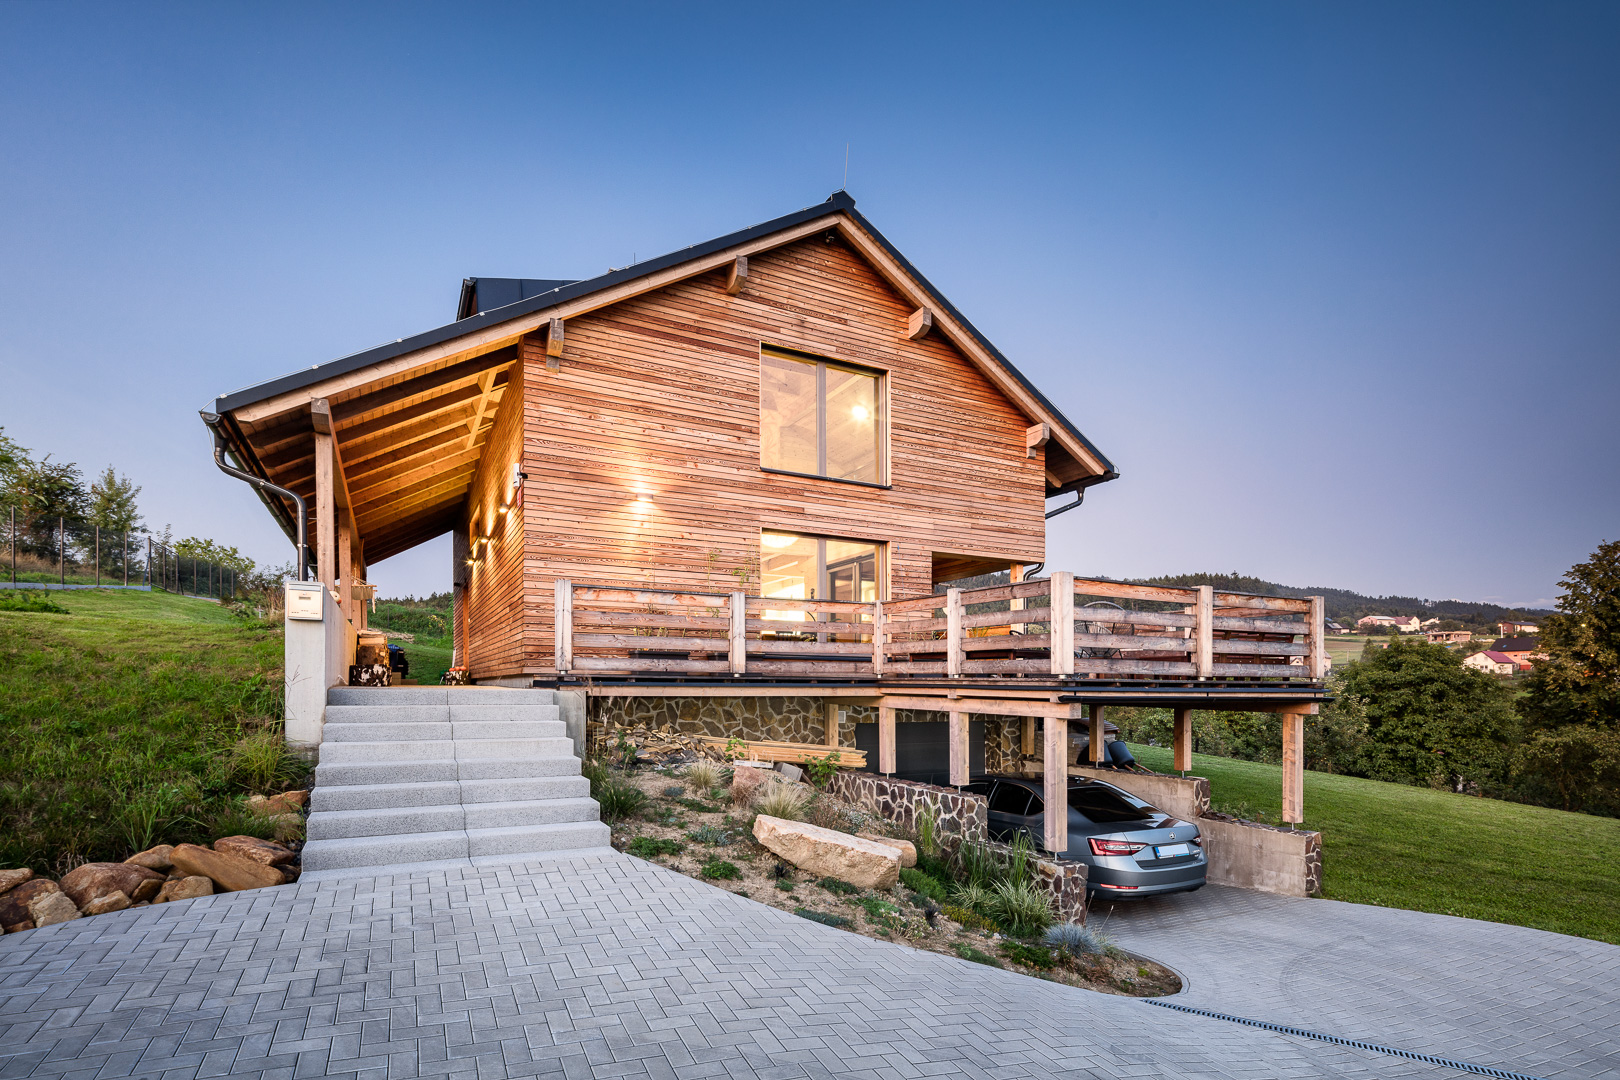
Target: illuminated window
point(816, 568)
point(820, 418)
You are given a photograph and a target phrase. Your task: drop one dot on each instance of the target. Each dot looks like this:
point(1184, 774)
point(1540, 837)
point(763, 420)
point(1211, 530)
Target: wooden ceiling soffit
point(376, 403)
point(379, 483)
point(407, 536)
point(434, 430)
point(388, 504)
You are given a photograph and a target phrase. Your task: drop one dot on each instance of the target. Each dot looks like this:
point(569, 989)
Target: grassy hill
point(135, 719)
point(1345, 606)
point(1424, 850)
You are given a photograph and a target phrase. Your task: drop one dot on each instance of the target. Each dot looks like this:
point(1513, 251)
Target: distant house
point(1337, 628)
point(1492, 662)
point(1406, 624)
point(1521, 650)
point(1426, 623)
point(1512, 629)
point(1450, 637)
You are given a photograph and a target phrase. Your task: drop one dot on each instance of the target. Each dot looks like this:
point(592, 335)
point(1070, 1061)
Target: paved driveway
point(587, 967)
point(1504, 996)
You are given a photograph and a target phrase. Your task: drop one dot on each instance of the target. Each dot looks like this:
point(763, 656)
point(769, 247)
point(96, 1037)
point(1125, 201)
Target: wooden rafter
point(486, 384)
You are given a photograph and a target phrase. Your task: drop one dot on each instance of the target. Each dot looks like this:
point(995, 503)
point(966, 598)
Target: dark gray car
point(1131, 849)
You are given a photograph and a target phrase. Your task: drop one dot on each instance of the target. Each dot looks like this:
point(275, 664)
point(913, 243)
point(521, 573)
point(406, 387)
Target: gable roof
point(1500, 658)
point(484, 340)
point(1515, 644)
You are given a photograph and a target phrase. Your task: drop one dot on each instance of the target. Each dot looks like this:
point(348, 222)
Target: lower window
point(799, 567)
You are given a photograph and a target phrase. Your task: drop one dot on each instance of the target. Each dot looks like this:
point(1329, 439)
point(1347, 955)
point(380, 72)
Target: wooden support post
point(1204, 631)
point(325, 512)
point(563, 623)
point(885, 740)
point(345, 567)
point(833, 713)
point(959, 729)
point(1026, 738)
point(1062, 623)
point(1315, 637)
point(1015, 576)
point(1057, 783)
point(737, 276)
point(879, 639)
point(1183, 741)
point(738, 633)
point(954, 653)
point(1293, 792)
point(1095, 714)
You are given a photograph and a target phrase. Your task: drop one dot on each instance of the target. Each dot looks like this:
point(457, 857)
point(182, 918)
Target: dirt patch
point(702, 835)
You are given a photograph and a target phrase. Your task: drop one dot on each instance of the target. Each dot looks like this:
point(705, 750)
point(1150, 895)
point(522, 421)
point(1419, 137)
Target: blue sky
point(1335, 286)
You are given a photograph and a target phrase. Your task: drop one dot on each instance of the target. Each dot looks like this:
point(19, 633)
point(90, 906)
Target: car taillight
point(1114, 847)
point(1199, 840)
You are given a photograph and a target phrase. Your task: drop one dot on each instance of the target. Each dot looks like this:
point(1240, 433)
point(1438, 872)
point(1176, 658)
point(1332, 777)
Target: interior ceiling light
point(859, 412)
point(776, 540)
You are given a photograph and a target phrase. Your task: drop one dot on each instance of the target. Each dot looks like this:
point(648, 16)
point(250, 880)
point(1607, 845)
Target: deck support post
point(1061, 623)
point(1026, 737)
point(738, 634)
point(345, 569)
point(1056, 762)
point(1183, 741)
point(959, 748)
point(954, 653)
point(1095, 714)
point(325, 512)
point(562, 624)
point(833, 712)
point(1293, 792)
point(885, 740)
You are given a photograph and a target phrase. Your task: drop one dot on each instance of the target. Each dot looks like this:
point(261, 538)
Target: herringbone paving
point(597, 966)
point(1486, 993)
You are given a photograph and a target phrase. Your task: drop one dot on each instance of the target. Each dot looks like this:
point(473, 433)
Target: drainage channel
point(1460, 1066)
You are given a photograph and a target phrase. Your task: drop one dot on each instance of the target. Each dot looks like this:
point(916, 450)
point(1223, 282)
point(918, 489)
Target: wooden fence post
point(1206, 631)
point(879, 633)
point(1056, 776)
point(98, 556)
point(1060, 624)
point(1315, 637)
point(562, 623)
point(953, 633)
point(737, 632)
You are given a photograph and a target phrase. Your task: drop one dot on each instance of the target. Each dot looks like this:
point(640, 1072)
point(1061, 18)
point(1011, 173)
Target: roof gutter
point(300, 519)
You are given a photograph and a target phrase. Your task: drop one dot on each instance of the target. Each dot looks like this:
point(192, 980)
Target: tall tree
point(113, 504)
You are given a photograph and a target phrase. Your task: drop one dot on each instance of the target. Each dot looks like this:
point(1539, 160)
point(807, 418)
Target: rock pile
point(155, 876)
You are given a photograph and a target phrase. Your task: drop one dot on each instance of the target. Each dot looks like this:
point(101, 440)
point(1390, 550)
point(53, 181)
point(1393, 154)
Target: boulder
point(827, 853)
point(10, 879)
point(288, 802)
point(111, 902)
point(14, 904)
point(147, 889)
point(251, 847)
point(186, 888)
point(231, 873)
point(746, 780)
point(908, 850)
point(92, 881)
point(157, 858)
point(17, 927)
point(51, 908)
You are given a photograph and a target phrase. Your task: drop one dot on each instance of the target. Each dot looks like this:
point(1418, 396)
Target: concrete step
point(516, 749)
point(387, 714)
point(387, 695)
point(499, 695)
point(385, 821)
point(349, 753)
point(408, 732)
point(524, 789)
point(503, 729)
point(376, 796)
point(368, 773)
point(504, 768)
point(461, 712)
point(385, 850)
point(497, 815)
point(526, 838)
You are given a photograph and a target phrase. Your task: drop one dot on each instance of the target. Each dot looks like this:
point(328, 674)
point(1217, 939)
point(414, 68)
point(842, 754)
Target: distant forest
point(1344, 606)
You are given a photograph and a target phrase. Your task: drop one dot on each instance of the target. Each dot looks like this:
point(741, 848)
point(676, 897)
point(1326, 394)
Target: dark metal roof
point(487, 293)
point(490, 316)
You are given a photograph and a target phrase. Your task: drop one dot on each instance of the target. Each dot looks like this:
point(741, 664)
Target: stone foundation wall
point(956, 813)
point(1065, 883)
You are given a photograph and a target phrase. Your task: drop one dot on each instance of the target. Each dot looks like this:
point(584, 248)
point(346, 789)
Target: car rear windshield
point(1101, 805)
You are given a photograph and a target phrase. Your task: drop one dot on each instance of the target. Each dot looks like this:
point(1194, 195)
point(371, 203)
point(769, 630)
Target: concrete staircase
point(445, 775)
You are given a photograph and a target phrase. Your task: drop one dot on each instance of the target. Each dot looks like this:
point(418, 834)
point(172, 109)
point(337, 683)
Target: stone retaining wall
point(1065, 882)
point(956, 813)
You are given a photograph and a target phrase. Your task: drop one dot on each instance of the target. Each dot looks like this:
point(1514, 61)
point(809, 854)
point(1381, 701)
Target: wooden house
point(750, 468)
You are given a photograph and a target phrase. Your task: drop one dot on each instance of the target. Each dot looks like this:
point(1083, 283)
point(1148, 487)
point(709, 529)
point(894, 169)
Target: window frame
point(880, 568)
point(880, 374)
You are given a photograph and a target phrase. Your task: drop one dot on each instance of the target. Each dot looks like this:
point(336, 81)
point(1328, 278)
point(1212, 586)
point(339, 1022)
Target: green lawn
point(429, 658)
point(1425, 850)
point(135, 719)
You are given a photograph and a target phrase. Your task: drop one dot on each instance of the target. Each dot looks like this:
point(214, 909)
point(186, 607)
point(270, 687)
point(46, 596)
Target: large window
point(820, 418)
point(816, 568)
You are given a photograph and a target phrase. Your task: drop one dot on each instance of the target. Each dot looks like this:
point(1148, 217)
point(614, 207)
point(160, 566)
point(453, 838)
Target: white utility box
point(304, 600)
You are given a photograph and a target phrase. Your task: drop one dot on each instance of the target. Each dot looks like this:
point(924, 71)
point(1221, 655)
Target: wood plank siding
point(656, 398)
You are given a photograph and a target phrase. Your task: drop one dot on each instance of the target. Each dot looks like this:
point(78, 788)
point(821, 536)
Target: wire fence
point(65, 553)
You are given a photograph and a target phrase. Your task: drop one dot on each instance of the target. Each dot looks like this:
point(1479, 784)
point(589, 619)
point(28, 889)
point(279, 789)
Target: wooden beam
point(885, 740)
point(1204, 632)
point(1293, 792)
point(325, 512)
point(345, 566)
point(959, 729)
point(554, 344)
point(1095, 735)
point(1026, 737)
point(920, 323)
point(1035, 437)
point(320, 414)
point(486, 383)
point(737, 634)
point(954, 653)
point(562, 623)
point(1183, 741)
point(832, 711)
point(1316, 636)
point(737, 275)
point(1061, 617)
point(1055, 767)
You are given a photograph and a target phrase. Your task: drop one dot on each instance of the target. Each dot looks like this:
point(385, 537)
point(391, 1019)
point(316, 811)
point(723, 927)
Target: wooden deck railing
point(1063, 626)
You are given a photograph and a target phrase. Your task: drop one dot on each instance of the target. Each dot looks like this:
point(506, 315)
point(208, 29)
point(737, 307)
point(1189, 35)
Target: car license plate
point(1170, 851)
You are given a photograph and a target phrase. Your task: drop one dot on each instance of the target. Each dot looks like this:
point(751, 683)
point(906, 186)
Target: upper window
point(820, 418)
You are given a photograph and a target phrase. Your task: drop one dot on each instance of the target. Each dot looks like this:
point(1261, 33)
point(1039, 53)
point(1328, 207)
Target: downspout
point(212, 420)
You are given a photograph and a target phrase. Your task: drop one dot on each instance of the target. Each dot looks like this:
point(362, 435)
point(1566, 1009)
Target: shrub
point(880, 912)
point(972, 920)
point(978, 864)
point(712, 835)
point(968, 952)
point(828, 813)
point(823, 918)
point(927, 832)
point(1035, 956)
point(617, 797)
point(821, 770)
point(646, 847)
point(1076, 940)
point(785, 885)
point(973, 897)
point(38, 602)
point(261, 762)
point(834, 885)
point(238, 820)
point(702, 775)
point(782, 801)
point(720, 870)
point(700, 807)
point(673, 791)
point(1020, 907)
point(924, 884)
point(935, 867)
